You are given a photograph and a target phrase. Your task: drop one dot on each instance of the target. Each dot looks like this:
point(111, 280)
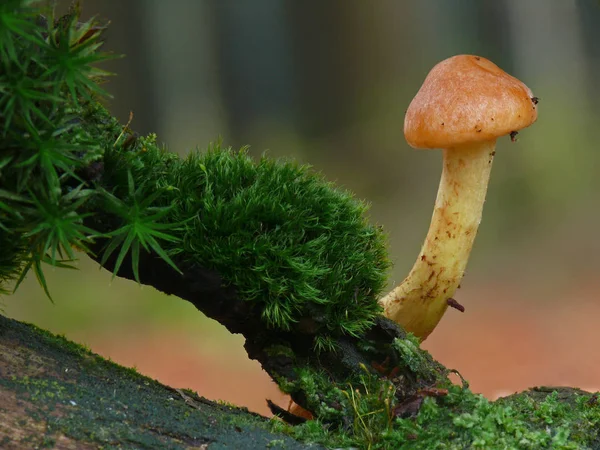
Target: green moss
point(361, 410)
point(367, 413)
point(87, 398)
point(40, 389)
point(48, 66)
point(413, 357)
point(306, 247)
point(288, 240)
point(557, 419)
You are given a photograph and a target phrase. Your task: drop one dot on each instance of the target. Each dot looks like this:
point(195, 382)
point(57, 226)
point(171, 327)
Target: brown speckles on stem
point(456, 187)
point(464, 90)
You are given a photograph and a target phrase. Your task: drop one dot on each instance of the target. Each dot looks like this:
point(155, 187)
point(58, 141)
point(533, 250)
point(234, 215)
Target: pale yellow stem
point(420, 301)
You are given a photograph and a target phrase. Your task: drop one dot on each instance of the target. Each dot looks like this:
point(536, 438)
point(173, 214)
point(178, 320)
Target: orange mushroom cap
point(466, 99)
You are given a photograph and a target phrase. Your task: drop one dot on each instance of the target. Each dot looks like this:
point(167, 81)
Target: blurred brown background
point(328, 83)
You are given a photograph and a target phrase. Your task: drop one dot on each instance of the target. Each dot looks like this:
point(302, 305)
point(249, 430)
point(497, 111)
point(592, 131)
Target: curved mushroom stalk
point(420, 301)
point(466, 103)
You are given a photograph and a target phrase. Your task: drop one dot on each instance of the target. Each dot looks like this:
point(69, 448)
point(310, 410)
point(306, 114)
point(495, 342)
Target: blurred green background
point(327, 82)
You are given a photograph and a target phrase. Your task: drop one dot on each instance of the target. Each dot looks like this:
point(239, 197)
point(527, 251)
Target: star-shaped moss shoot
point(465, 104)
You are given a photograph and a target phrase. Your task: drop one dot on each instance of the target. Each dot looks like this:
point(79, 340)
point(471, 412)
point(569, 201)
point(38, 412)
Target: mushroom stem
point(420, 301)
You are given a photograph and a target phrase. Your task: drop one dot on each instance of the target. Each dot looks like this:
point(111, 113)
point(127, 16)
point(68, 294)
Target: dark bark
point(207, 291)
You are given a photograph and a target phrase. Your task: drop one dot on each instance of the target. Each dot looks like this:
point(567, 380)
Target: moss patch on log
point(543, 417)
point(57, 394)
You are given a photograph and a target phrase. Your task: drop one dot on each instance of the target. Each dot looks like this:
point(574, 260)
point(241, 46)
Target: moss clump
point(306, 247)
point(413, 357)
point(46, 70)
point(369, 411)
point(290, 242)
point(551, 418)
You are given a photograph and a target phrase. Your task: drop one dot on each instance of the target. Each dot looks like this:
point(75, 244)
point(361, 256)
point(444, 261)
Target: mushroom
point(466, 103)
